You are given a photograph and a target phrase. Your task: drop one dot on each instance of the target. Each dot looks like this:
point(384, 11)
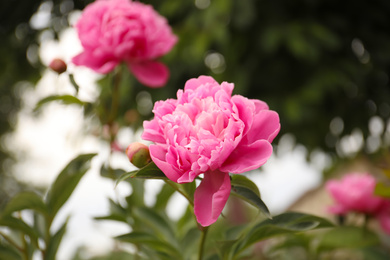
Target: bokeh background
point(323, 65)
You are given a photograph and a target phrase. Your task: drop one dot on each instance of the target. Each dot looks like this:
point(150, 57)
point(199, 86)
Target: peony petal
point(260, 105)
point(265, 126)
point(101, 63)
point(246, 109)
point(158, 156)
point(194, 83)
point(152, 132)
point(210, 197)
point(247, 157)
point(153, 74)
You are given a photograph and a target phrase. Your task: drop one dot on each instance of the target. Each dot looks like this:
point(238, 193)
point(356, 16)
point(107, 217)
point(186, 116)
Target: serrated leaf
point(64, 99)
point(66, 182)
point(150, 171)
point(285, 223)
point(55, 242)
point(251, 197)
point(25, 200)
point(347, 237)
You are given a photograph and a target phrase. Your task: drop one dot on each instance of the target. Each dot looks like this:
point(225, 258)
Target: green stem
point(115, 96)
point(202, 242)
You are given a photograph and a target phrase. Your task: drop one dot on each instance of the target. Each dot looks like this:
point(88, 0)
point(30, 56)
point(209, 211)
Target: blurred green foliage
point(311, 61)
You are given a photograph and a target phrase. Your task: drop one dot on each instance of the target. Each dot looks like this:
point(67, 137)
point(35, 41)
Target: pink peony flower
point(112, 31)
point(208, 131)
point(355, 192)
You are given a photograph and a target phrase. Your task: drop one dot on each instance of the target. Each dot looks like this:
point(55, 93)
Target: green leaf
point(66, 182)
point(190, 239)
point(73, 82)
point(19, 225)
point(163, 197)
point(251, 197)
point(117, 213)
point(154, 220)
point(242, 181)
point(285, 223)
point(146, 239)
point(150, 171)
point(25, 200)
point(64, 99)
point(347, 237)
point(55, 242)
point(186, 222)
point(185, 189)
point(111, 173)
point(9, 253)
point(375, 253)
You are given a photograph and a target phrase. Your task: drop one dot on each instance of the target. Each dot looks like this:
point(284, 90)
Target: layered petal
point(265, 126)
point(247, 157)
point(158, 155)
point(100, 63)
point(211, 196)
point(125, 31)
point(150, 73)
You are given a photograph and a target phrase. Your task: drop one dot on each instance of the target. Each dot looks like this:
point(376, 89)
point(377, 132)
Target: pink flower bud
point(138, 154)
point(58, 65)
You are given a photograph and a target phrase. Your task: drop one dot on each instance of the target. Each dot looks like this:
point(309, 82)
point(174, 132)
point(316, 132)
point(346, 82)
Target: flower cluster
point(112, 31)
point(208, 131)
point(355, 193)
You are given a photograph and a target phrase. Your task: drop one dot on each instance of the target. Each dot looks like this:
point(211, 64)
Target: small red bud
point(58, 65)
point(138, 154)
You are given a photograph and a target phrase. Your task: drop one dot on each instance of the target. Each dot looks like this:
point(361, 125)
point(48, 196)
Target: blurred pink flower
point(208, 131)
point(355, 192)
point(112, 31)
point(384, 218)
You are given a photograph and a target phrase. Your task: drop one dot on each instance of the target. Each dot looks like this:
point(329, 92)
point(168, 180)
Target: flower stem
point(202, 242)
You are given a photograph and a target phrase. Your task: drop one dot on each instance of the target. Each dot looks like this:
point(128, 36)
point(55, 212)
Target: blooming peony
point(208, 131)
point(112, 31)
point(355, 192)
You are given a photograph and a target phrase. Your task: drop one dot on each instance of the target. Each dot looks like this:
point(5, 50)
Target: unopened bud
point(58, 65)
point(138, 154)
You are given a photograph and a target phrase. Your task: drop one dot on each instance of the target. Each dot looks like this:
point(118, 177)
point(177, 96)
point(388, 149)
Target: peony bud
point(58, 65)
point(138, 154)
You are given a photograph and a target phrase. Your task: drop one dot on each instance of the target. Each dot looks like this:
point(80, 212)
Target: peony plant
point(202, 142)
point(112, 31)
